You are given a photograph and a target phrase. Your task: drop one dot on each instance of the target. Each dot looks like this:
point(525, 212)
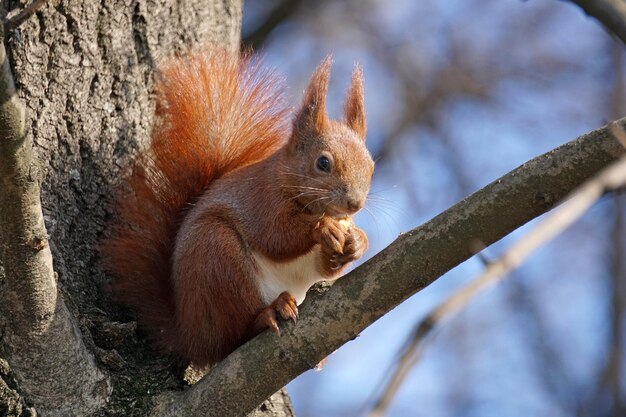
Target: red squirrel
point(238, 206)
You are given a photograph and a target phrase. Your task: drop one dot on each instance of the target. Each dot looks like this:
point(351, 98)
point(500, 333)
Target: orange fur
point(216, 113)
point(223, 183)
point(354, 107)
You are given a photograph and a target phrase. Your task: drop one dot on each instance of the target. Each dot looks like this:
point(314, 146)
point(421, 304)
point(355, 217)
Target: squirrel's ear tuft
point(354, 108)
point(312, 114)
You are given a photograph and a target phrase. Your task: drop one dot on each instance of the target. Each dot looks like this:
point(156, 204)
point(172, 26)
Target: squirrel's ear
point(312, 114)
point(354, 109)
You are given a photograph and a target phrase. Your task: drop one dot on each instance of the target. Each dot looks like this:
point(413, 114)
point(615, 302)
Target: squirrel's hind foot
point(285, 305)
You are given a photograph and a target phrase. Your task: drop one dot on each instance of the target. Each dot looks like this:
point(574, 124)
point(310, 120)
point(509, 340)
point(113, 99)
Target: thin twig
point(611, 13)
point(15, 21)
point(577, 204)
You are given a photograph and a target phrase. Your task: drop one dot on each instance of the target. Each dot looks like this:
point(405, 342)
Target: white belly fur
point(295, 276)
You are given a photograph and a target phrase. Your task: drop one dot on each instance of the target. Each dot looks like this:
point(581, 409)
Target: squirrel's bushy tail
point(216, 112)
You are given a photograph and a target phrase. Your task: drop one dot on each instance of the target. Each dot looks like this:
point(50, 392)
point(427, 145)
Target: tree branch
point(22, 16)
point(413, 261)
point(577, 204)
point(611, 13)
point(40, 339)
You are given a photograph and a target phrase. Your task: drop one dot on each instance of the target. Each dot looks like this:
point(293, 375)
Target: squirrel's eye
point(323, 164)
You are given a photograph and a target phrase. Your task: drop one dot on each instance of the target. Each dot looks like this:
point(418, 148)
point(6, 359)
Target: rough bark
point(83, 70)
point(409, 264)
point(39, 336)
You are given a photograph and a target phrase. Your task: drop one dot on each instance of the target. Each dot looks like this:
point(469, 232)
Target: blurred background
point(459, 93)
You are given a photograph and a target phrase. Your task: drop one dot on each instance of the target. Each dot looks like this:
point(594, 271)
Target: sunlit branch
point(610, 179)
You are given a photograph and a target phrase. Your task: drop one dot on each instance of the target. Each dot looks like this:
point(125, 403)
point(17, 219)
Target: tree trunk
point(84, 71)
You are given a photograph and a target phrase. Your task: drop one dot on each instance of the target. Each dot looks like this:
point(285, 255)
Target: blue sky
point(557, 84)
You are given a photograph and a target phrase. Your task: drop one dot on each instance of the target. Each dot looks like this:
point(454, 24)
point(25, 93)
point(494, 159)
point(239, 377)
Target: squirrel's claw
point(354, 247)
point(330, 235)
point(267, 319)
point(273, 326)
point(286, 305)
point(336, 262)
point(290, 313)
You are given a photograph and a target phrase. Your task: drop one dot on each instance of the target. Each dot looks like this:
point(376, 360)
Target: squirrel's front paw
point(341, 242)
point(331, 234)
point(355, 245)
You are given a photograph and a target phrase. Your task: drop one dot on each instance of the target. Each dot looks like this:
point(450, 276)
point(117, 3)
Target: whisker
point(312, 193)
point(328, 204)
point(313, 201)
point(288, 171)
point(374, 219)
point(388, 204)
point(302, 187)
point(317, 180)
point(383, 190)
point(390, 220)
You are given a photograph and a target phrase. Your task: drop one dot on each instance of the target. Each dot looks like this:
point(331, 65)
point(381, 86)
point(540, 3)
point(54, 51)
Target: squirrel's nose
point(353, 204)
